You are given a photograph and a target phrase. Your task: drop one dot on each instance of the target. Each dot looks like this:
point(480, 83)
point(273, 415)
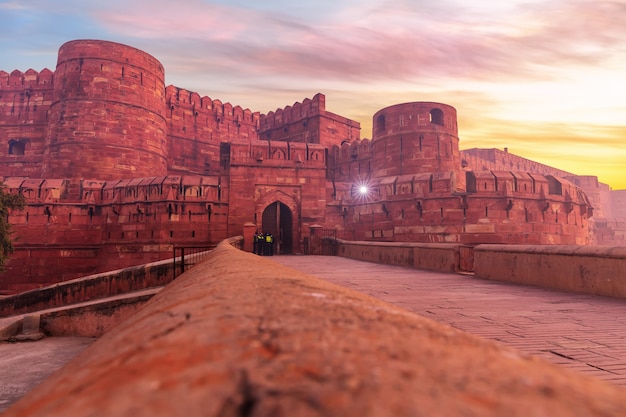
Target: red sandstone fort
point(118, 169)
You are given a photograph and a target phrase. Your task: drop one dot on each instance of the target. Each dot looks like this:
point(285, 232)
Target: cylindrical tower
point(107, 119)
point(412, 138)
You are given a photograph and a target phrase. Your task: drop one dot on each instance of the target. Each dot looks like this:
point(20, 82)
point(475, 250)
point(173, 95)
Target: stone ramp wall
point(89, 288)
point(92, 319)
point(240, 335)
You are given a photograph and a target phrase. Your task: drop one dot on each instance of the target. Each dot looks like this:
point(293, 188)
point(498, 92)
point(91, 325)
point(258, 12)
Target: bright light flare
point(361, 191)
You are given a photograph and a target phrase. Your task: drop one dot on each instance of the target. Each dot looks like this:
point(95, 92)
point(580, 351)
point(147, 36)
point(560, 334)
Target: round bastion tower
point(107, 120)
point(417, 138)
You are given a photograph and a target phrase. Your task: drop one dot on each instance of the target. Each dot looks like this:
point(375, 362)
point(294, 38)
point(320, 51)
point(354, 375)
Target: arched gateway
point(278, 213)
point(278, 220)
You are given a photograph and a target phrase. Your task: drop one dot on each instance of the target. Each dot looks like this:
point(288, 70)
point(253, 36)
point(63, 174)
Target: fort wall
point(25, 100)
point(308, 122)
point(497, 160)
point(114, 224)
point(196, 127)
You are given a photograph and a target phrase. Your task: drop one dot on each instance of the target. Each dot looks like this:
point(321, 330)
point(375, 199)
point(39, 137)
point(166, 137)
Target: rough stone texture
point(117, 169)
point(239, 335)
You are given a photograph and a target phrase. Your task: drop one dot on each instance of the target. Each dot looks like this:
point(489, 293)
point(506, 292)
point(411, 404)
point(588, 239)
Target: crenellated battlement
point(180, 98)
point(101, 192)
point(294, 113)
point(357, 149)
point(30, 79)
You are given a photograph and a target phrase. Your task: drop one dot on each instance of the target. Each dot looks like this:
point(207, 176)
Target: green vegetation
point(7, 202)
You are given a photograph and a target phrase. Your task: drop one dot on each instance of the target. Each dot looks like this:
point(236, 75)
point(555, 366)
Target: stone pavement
point(582, 332)
point(25, 365)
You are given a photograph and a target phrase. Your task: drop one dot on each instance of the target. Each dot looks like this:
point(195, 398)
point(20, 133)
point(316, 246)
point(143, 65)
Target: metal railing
point(323, 242)
point(187, 256)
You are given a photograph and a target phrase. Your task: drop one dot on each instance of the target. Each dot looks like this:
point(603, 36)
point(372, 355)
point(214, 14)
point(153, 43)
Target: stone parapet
point(92, 287)
point(241, 335)
point(599, 270)
point(435, 257)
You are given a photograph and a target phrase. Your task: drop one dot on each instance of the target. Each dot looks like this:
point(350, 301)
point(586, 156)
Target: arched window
point(436, 116)
point(380, 123)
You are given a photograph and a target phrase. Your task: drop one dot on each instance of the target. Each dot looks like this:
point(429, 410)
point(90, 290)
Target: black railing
point(187, 256)
point(323, 242)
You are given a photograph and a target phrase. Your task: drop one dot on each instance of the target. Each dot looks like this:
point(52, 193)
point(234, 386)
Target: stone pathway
point(583, 332)
point(25, 365)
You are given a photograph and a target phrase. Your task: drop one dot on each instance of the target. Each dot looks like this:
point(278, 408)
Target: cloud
point(377, 41)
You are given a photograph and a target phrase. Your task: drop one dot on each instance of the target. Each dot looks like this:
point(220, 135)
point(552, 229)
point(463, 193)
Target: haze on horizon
point(544, 79)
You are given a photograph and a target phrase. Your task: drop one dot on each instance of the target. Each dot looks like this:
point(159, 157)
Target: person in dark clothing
point(260, 243)
point(269, 244)
point(255, 243)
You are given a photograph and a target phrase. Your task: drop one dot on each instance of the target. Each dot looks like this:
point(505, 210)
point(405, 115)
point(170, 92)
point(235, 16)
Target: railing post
point(314, 240)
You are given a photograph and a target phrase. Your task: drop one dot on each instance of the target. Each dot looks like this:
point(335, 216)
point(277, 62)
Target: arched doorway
point(278, 220)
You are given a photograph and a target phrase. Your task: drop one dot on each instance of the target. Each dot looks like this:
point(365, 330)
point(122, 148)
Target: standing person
point(260, 243)
point(255, 242)
point(269, 244)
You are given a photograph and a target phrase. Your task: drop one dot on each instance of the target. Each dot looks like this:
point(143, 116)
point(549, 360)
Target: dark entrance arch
point(278, 220)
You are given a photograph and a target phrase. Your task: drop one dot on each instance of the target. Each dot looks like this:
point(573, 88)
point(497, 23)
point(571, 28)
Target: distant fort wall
point(499, 208)
point(197, 125)
point(601, 196)
point(308, 122)
point(114, 224)
point(25, 100)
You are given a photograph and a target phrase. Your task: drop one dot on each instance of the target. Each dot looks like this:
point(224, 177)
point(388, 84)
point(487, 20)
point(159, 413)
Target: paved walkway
point(25, 365)
point(582, 332)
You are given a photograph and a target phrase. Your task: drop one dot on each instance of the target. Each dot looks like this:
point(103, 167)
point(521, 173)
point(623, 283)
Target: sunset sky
point(546, 79)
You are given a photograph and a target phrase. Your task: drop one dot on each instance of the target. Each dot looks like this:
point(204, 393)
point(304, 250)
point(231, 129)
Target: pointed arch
point(279, 213)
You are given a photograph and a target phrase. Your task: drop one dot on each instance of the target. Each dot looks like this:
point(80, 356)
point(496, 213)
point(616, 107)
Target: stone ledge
point(241, 335)
point(599, 270)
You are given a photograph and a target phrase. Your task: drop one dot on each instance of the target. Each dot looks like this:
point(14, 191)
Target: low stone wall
point(92, 320)
point(92, 287)
point(599, 270)
point(432, 256)
point(97, 286)
point(240, 335)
